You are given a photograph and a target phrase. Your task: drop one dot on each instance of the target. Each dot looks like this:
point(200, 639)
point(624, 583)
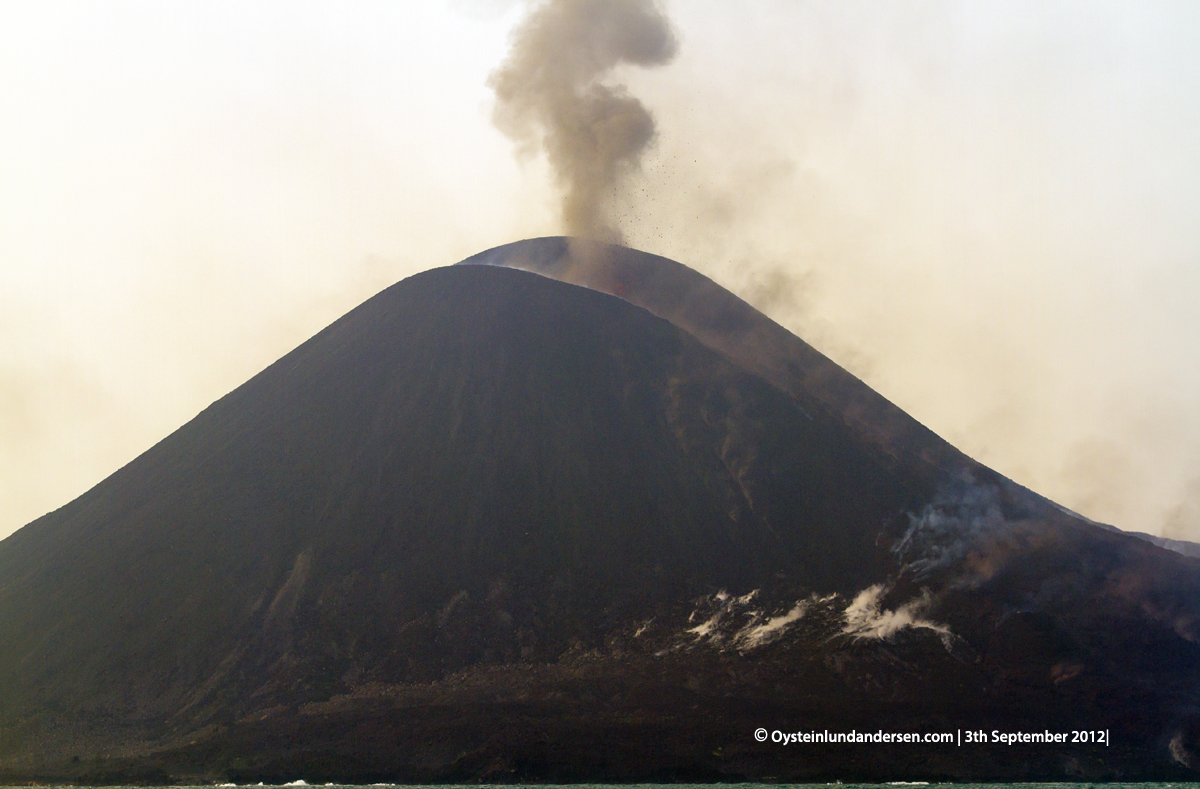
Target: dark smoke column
point(550, 96)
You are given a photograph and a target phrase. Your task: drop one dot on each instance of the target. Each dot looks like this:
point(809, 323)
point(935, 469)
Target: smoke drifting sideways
point(550, 95)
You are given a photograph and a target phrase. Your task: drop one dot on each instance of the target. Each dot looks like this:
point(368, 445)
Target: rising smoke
point(551, 96)
point(961, 517)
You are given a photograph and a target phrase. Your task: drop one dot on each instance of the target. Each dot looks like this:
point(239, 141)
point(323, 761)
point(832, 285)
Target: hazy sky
point(988, 211)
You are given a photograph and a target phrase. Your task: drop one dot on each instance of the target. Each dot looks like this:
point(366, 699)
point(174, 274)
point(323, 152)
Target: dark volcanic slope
point(733, 328)
point(491, 526)
point(478, 465)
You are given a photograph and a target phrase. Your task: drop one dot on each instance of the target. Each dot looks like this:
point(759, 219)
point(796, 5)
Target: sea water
point(889, 785)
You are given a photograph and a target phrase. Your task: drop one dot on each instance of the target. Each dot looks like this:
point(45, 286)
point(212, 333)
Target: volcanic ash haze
point(986, 211)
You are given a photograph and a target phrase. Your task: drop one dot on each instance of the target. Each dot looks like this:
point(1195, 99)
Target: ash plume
point(551, 95)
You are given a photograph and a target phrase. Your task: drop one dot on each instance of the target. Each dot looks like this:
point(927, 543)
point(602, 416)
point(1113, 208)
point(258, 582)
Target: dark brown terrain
point(494, 526)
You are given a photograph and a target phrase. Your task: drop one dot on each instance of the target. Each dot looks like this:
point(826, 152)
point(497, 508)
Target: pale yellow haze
point(990, 212)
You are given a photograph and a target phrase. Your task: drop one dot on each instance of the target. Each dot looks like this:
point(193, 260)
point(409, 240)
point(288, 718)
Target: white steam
point(757, 635)
point(730, 622)
point(865, 618)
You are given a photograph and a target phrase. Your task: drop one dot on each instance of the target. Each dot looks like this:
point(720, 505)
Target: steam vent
point(571, 512)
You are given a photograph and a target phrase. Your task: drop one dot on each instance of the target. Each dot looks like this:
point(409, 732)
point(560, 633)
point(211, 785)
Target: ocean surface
point(893, 785)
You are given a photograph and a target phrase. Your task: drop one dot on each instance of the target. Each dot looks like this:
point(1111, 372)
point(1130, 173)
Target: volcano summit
point(493, 525)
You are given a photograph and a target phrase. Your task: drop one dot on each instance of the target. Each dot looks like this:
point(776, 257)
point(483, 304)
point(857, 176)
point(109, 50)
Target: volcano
point(572, 512)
